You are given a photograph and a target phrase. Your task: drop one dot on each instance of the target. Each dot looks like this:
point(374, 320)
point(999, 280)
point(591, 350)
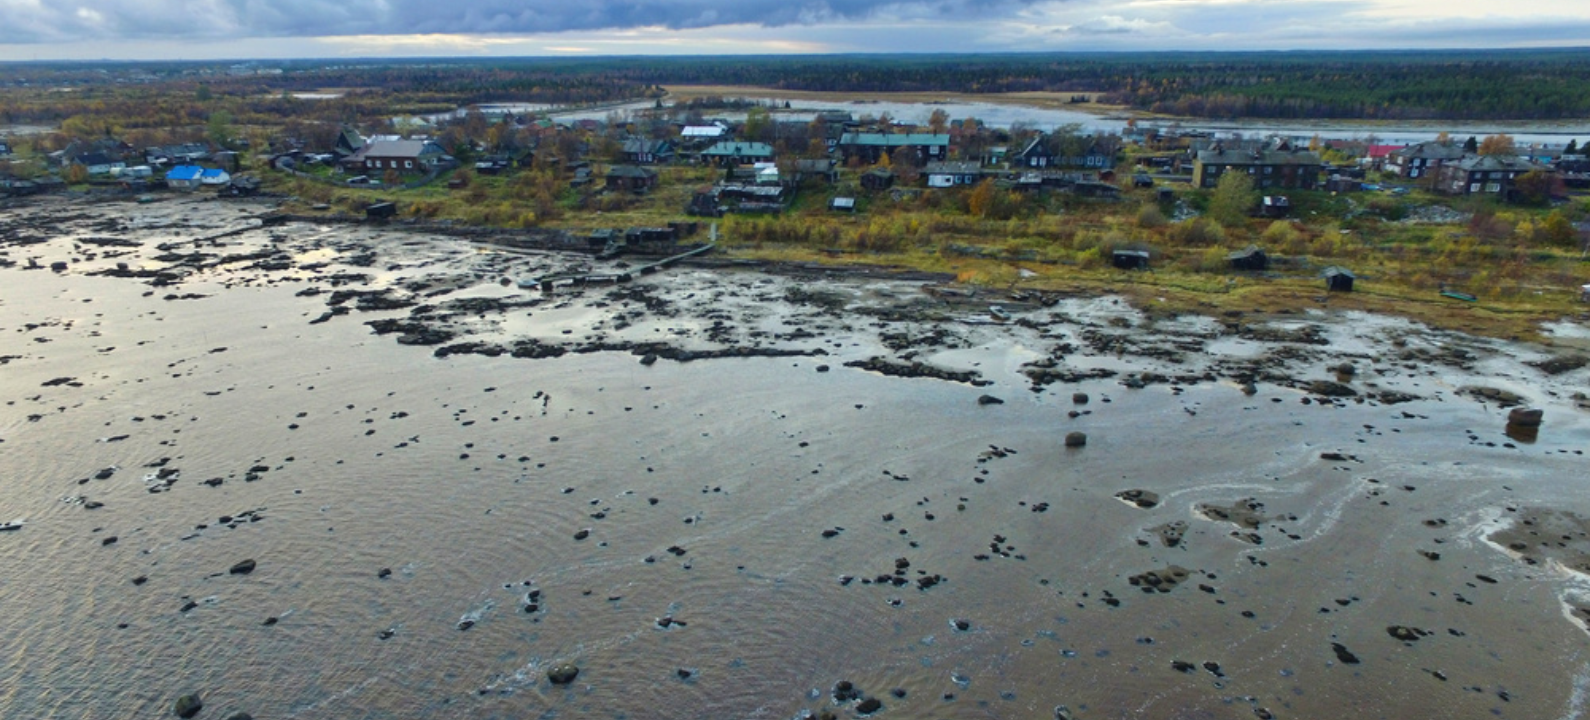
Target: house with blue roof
point(184, 177)
point(215, 177)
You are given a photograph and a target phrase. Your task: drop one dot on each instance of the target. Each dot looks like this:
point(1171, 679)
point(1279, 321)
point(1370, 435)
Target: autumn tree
point(1234, 196)
point(1558, 230)
point(1535, 187)
point(1497, 145)
point(938, 121)
point(219, 128)
point(758, 124)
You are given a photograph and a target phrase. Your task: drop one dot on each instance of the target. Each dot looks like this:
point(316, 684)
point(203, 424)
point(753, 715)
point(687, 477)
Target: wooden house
point(1130, 259)
point(1250, 258)
point(630, 178)
point(1292, 169)
point(1483, 175)
point(877, 179)
point(944, 174)
point(920, 148)
point(641, 151)
point(1338, 279)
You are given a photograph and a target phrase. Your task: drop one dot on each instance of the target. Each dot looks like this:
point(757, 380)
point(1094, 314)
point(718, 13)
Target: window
point(408, 163)
point(1268, 169)
point(1474, 187)
point(1493, 187)
point(375, 163)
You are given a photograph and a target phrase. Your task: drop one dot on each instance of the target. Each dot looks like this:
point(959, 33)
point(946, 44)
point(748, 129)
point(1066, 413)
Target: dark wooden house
point(630, 178)
point(1249, 258)
point(1338, 279)
point(877, 179)
point(1130, 259)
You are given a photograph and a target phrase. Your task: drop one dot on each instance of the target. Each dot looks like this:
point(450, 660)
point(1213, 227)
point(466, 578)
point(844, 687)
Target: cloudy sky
point(211, 29)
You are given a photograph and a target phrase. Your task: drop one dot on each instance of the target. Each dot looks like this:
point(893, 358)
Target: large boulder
point(1525, 417)
point(187, 706)
point(563, 673)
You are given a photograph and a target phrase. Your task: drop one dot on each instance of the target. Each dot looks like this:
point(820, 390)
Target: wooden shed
point(1130, 259)
point(1338, 279)
point(1249, 258)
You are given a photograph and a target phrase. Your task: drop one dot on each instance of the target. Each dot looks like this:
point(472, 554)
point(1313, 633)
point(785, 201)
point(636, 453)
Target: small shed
point(848, 204)
point(877, 179)
point(1584, 293)
point(1249, 258)
point(380, 211)
point(1142, 180)
point(1275, 206)
point(1338, 279)
point(1130, 259)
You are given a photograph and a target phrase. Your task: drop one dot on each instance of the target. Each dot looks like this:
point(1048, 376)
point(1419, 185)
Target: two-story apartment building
point(1292, 169)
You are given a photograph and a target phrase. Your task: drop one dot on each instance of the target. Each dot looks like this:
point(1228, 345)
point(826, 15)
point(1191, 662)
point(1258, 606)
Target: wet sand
point(723, 493)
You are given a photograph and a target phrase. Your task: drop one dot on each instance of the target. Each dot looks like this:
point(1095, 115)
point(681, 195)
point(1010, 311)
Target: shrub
point(1150, 216)
point(1280, 233)
point(1197, 231)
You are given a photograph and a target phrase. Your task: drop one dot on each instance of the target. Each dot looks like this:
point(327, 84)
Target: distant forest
point(1452, 85)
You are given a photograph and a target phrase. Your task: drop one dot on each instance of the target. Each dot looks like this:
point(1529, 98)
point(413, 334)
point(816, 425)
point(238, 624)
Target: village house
point(731, 153)
point(641, 151)
point(5, 149)
point(824, 169)
point(1053, 150)
point(98, 163)
point(1291, 169)
point(405, 157)
point(943, 174)
point(1422, 159)
point(869, 148)
point(184, 177)
point(630, 178)
point(1483, 174)
point(182, 154)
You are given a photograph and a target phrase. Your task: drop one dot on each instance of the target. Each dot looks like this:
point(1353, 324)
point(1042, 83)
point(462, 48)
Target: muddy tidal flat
point(331, 470)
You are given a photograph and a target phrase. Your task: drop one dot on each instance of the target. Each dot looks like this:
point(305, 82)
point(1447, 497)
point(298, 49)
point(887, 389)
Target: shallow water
point(470, 476)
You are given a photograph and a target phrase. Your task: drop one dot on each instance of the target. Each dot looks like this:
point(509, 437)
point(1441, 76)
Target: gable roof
point(1430, 151)
point(1273, 157)
point(739, 149)
point(631, 171)
point(1495, 162)
point(185, 172)
point(895, 140)
point(400, 149)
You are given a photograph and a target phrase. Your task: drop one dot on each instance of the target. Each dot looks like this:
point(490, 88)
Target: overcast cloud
point(196, 29)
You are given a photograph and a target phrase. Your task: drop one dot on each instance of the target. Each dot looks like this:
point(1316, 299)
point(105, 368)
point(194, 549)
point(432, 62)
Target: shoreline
point(718, 492)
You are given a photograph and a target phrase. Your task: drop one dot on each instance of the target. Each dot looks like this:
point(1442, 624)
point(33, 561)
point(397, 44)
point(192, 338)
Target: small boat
point(13, 525)
point(1465, 297)
point(999, 313)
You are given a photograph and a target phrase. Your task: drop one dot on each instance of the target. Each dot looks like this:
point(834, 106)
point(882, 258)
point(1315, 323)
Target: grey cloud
point(32, 21)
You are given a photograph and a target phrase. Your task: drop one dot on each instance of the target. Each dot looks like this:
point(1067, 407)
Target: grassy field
point(1063, 243)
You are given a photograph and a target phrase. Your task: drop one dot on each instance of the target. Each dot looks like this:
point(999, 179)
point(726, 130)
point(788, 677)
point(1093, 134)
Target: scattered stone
point(1141, 498)
point(1076, 439)
point(563, 673)
point(989, 400)
point(1525, 417)
point(1343, 654)
point(187, 706)
point(242, 568)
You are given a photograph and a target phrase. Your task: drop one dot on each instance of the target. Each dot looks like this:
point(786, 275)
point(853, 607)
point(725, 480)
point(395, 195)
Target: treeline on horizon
point(1407, 85)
